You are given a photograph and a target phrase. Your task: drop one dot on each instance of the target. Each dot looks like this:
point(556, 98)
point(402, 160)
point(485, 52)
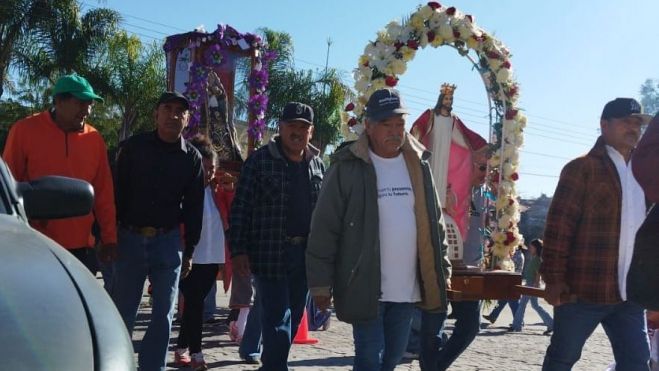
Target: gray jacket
point(343, 253)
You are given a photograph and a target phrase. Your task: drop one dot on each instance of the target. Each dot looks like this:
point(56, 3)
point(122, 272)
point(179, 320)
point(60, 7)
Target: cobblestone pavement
point(493, 349)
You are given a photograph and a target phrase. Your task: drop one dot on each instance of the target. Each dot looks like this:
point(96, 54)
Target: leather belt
point(147, 231)
point(297, 240)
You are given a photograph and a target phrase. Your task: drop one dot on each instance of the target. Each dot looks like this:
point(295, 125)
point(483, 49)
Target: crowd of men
point(367, 234)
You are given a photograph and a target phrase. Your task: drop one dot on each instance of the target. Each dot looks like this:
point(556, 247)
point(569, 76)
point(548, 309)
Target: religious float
point(206, 67)
point(385, 59)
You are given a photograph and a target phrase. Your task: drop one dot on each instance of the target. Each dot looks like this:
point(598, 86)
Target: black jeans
point(195, 287)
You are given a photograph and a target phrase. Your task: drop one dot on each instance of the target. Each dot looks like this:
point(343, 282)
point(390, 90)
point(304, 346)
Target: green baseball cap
point(77, 86)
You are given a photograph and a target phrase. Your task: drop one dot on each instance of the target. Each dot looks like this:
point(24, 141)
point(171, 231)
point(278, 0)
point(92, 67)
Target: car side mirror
point(56, 197)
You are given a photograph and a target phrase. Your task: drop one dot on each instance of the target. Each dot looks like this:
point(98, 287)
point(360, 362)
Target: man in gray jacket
point(377, 241)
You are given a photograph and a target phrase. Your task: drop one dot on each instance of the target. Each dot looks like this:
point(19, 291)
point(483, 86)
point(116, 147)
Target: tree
point(66, 42)
point(650, 96)
point(18, 20)
point(134, 76)
point(324, 91)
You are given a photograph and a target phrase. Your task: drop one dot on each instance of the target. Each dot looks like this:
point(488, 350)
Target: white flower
point(446, 31)
point(436, 20)
point(394, 29)
point(425, 12)
point(398, 67)
point(503, 75)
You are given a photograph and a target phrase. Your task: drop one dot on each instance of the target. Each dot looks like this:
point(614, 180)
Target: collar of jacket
point(599, 149)
point(309, 152)
point(359, 149)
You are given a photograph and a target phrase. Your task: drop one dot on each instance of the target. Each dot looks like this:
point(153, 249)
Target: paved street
point(493, 349)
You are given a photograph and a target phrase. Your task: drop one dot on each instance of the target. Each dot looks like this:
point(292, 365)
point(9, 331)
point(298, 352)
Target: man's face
point(209, 169)
point(295, 136)
point(171, 118)
point(70, 113)
point(621, 133)
point(479, 171)
point(386, 136)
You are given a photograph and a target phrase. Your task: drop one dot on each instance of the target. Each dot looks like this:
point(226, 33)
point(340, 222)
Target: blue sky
point(569, 57)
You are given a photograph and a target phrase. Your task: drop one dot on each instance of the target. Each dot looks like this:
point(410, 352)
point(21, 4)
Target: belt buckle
point(148, 231)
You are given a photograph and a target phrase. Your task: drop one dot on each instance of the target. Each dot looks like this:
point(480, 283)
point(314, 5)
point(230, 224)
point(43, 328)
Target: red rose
point(510, 114)
point(456, 34)
point(391, 81)
point(366, 64)
point(470, 18)
point(450, 11)
point(510, 237)
point(352, 122)
point(350, 107)
point(514, 177)
point(492, 55)
point(506, 64)
point(511, 202)
point(431, 36)
point(434, 5)
point(512, 91)
point(412, 44)
point(398, 45)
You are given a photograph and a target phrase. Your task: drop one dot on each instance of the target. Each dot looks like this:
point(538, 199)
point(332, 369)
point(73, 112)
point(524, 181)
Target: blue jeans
point(250, 346)
point(283, 302)
point(518, 319)
point(624, 324)
point(496, 311)
point(159, 257)
point(380, 343)
point(414, 342)
point(439, 355)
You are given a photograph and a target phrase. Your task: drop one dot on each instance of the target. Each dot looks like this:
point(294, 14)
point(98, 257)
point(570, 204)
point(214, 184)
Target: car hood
point(54, 315)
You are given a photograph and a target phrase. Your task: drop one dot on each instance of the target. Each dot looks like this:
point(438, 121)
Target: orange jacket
point(37, 147)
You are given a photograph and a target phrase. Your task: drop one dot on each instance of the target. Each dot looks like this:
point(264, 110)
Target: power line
point(540, 175)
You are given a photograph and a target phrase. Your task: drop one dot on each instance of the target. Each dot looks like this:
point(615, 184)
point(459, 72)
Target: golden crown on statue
point(447, 89)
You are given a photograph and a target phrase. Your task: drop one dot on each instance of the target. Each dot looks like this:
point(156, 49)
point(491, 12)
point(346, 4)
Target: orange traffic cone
point(302, 336)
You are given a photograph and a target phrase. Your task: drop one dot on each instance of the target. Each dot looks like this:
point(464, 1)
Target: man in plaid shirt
point(270, 219)
point(589, 239)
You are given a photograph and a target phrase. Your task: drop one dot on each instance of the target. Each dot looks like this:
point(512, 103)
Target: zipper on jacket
point(354, 269)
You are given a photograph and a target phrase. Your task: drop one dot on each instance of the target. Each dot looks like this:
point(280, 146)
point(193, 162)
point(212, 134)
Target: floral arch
point(433, 25)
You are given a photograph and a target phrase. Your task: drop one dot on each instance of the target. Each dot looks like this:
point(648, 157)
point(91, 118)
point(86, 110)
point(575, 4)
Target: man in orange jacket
point(59, 142)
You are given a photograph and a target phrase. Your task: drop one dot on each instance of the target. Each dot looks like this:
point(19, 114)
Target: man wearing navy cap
point(377, 242)
point(270, 216)
point(589, 241)
point(160, 186)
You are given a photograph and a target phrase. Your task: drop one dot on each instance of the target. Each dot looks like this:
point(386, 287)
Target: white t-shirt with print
point(398, 250)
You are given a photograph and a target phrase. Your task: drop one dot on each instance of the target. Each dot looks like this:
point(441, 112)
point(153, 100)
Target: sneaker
point(489, 318)
point(252, 359)
point(234, 334)
point(514, 329)
point(548, 332)
point(182, 357)
point(198, 363)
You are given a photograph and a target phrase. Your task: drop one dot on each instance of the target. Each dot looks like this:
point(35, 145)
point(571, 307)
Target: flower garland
point(225, 38)
point(433, 25)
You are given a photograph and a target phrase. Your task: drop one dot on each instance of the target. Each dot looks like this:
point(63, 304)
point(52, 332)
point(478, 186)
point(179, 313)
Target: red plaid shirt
point(582, 233)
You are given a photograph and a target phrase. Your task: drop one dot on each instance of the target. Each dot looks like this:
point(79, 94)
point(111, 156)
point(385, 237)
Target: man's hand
point(322, 302)
point(107, 252)
point(186, 267)
point(448, 283)
point(553, 293)
point(240, 265)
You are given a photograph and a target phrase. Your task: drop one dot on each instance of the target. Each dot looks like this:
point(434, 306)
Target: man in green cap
point(59, 142)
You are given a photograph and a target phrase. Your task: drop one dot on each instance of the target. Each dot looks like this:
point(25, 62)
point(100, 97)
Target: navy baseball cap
point(383, 104)
point(624, 107)
point(296, 111)
point(169, 96)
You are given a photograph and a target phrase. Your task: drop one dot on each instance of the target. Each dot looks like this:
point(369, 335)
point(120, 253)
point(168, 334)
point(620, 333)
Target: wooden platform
point(469, 284)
